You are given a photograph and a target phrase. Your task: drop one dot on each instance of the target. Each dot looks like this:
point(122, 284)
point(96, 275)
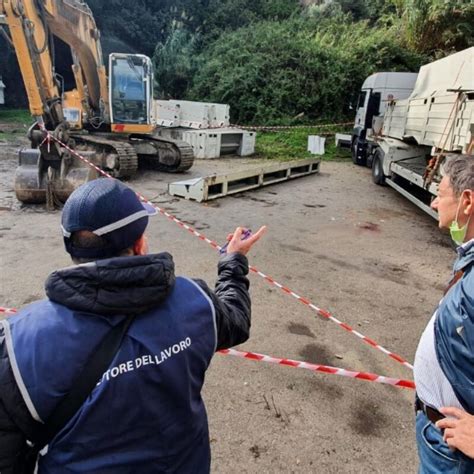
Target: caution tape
point(215, 245)
point(329, 316)
point(198, 117)
point(320, 311)
point(290, 127)
point(320, 368)
point(297, 364)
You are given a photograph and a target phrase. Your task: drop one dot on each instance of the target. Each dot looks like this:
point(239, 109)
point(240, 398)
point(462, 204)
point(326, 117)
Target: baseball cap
point(109, 209)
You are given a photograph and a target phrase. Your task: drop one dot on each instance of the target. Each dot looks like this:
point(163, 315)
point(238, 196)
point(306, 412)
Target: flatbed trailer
point(418, 133)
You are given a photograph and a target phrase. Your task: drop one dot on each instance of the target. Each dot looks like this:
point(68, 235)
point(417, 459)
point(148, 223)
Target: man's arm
point(231, 300)
point(458, 430)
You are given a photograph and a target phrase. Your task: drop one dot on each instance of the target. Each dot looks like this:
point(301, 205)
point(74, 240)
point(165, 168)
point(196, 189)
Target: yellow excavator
point(109, 120)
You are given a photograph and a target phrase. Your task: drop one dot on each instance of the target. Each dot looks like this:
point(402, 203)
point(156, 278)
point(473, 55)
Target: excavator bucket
point(38, 180)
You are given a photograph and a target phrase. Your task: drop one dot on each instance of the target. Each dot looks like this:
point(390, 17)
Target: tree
point(437, 27)
point(271, 71)
point(175, 65)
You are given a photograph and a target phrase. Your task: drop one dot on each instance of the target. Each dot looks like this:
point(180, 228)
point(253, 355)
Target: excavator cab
point(130, 90)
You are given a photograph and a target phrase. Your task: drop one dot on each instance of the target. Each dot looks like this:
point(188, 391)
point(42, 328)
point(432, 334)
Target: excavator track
point(169, 152)
point(35, 182)
point(126, 154)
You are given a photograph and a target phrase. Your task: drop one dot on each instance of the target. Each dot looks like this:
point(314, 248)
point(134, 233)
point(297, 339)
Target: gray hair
point(460, 170)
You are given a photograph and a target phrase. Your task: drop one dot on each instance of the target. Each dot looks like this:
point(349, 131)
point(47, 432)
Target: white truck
point(406, 148)
point(377, 91)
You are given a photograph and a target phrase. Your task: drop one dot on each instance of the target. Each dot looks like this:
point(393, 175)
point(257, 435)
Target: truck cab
point(377, 91)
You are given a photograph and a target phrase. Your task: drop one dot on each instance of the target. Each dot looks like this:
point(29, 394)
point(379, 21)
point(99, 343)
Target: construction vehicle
point(407, 147)
point(108, 120)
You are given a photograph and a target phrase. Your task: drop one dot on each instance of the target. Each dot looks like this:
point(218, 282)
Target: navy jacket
point(146, 413)
point(454, 330)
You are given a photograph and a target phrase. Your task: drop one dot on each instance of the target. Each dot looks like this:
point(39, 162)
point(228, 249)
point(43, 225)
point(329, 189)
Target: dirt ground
point(360, 251)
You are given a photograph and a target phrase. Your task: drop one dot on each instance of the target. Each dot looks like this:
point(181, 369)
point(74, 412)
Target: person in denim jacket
point(444, 361)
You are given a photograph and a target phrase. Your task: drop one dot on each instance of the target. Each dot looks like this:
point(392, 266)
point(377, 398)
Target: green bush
point(272, 60)
point(437, 27)
point(192, 32)
point(269, 72)
point(175, 65)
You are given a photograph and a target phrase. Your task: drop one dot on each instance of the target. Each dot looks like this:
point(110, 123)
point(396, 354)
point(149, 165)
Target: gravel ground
point(358, 250)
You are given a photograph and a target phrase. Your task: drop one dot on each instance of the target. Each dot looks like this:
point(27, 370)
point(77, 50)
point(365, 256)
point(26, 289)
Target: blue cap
point(109, 209)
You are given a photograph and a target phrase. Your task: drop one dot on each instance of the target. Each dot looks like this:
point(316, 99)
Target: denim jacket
point(454, 330)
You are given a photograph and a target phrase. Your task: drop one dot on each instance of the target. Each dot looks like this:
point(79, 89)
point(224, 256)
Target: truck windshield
point(129, 98)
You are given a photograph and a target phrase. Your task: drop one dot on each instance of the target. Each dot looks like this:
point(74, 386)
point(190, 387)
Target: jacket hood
point(113, 286)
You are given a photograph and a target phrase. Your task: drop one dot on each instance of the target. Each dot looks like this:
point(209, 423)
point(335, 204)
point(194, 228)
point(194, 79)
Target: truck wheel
point(370, 160)
point(377, 168)
point(357, 158)
point(354, 150)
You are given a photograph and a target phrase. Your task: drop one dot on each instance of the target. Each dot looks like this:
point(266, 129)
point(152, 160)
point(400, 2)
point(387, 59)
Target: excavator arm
point(31, 24)
point(30, 40)
point(73, 23)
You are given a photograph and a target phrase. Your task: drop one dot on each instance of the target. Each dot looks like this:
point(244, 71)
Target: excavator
point(108, 119)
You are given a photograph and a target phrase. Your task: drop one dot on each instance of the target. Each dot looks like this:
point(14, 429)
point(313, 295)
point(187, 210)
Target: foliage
point(139, 24)
point(271, 60)
point(15, 116)
point(229, 15)
point(15, 94)
point(437, 27)
point(292, 144)
point(143, 24)
point(433, 27)
point(174, 58)
point(14, 123)
point(175, 65)
point(372, 10)
point(269, 71)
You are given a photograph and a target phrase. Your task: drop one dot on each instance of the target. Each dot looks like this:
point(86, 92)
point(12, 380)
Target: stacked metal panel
point(213, 143)
point(205, 126)
point(196, 115)
point(440, 111)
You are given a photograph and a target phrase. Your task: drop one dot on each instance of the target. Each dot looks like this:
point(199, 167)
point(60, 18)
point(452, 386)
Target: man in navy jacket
point(146, 413)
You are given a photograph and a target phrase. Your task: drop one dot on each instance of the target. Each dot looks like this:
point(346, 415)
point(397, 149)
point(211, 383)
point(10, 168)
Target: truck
point(108, 116)
point(407, 146)
point(377, 91)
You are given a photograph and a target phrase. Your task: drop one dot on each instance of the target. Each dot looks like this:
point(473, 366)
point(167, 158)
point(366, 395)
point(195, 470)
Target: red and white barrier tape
point(290, 127)
point(270, 280)
point(327, 315)
point(300, 364)
point(320, 368)
point(198, 117)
